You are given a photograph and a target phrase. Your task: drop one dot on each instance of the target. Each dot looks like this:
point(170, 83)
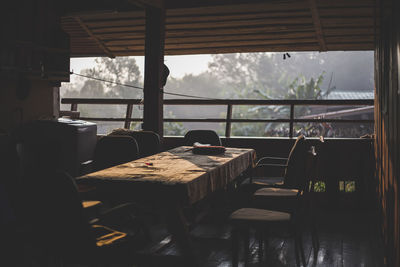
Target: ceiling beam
point(100, 43)
point(317, 24)
point(147, 3)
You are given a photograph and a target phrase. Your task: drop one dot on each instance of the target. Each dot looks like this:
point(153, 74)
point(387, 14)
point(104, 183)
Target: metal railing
point(228, 120)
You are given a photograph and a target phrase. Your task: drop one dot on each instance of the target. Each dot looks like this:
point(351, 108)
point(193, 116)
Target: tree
point(270, 74)
point(122, 70)
point(244, 74)
point(234, 76)
point(300, 88)
point(204, 84)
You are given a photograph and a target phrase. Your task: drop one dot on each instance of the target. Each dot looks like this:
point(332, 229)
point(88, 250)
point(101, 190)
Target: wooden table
point(173, 179)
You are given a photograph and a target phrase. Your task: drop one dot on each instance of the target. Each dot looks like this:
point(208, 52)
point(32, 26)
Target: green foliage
point(299, 88)
point(319, 187)
point(136, 126)
point(247, 129)
point(347, 186)
point(266, 76)
point(173, 128)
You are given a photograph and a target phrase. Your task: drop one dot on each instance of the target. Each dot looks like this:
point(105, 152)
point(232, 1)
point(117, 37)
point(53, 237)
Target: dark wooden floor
point(346, 239)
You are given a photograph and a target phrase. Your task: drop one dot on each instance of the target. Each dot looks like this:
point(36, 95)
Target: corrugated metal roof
point(350, 95)
point(226, 27)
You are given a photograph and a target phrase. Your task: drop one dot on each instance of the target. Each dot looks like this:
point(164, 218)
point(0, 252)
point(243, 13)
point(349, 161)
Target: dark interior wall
point(387, 122)
point(34, 58)
point(42, 102)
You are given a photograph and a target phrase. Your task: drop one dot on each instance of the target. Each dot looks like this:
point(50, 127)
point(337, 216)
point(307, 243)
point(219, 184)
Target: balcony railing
point(228, 120)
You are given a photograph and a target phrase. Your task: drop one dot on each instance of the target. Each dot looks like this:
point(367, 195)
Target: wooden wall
point(387, 118)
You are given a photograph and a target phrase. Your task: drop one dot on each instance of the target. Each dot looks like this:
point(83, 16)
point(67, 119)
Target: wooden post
point(127, 124)
point(228, 121)
point(74, 107)
point(154, 60)
point(291, 121)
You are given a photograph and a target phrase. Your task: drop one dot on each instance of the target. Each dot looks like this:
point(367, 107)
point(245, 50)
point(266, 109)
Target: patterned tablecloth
point(177, 173)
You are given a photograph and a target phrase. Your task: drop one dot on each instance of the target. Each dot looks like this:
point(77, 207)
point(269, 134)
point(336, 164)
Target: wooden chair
point(203, 137)
point(35, 155)
point(148, 141)
point(291, 167)
point(298, 199)
point(113, 150)
point(110, 151)
point(58, 225)
point(280, 207)
point(264, 222)
point(283, 197)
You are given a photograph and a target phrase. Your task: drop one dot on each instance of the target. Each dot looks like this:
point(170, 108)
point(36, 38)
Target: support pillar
point(154, 60)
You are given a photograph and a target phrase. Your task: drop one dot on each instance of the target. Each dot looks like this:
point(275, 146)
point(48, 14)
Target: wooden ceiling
point(273, 26)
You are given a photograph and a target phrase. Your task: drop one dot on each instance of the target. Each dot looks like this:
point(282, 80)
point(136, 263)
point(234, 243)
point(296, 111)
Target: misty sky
point(178, 65)
point(348, 70)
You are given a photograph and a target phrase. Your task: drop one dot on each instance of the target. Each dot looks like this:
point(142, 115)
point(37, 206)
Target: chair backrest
point(296, 165)
point(58, 217)
point(113, 150)
point(148, 141)
point(203, 137)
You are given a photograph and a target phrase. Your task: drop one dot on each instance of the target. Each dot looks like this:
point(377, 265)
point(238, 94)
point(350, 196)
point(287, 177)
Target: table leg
point(178, 228)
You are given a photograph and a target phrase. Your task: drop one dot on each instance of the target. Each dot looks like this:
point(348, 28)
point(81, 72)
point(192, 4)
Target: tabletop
point(176, 173)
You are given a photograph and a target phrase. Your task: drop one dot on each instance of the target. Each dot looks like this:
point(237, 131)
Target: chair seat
point(91, 208)
point(265, 181)
point(251, 215)
point(280, 199)
point(260, 182)
point(276, 192)
point(91, 204)
point(106, 236)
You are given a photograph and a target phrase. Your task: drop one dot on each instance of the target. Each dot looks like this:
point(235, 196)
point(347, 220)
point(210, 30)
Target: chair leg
point(296, 250)
point(246, 240)
point(314, 235)
point(299, 247)
point(266, 243)
point(142, 225)
point(314, 230)
point(235, 247)
point(315, 240)
point(260, 237)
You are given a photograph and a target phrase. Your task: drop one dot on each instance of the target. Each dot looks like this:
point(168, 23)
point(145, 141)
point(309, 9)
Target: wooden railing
point(229, 107)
